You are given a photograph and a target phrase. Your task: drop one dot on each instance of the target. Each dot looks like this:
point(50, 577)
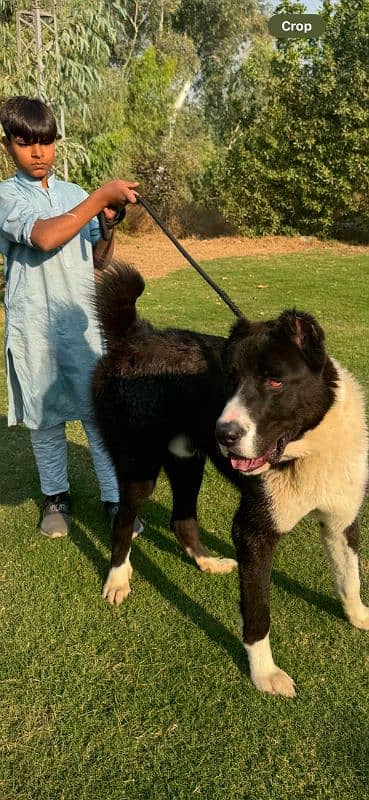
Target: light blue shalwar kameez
point(52, 339)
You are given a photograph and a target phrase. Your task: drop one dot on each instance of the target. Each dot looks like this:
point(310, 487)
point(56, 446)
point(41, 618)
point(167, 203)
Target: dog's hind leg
point(132, 495)
point(185, 477)
point(342, 542)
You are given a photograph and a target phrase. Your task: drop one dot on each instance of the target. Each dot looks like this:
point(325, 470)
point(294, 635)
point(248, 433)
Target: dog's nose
point(228, 433)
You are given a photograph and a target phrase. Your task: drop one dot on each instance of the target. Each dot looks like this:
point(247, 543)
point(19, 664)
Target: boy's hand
point(118, 193)
point(109, 213)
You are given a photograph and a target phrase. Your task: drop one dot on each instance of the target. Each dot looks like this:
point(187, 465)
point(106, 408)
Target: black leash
point(106, 226)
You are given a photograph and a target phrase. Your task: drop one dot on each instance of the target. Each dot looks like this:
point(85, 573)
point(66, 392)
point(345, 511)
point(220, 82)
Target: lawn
point(152, 700)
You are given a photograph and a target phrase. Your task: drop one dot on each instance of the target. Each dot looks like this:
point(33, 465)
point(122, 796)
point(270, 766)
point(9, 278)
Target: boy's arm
point(48, 234)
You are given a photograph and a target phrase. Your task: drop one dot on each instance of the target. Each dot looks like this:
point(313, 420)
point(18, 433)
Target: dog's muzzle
point(228, 433)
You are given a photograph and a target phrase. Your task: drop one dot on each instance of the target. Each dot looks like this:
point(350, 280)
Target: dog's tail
point(117, 289)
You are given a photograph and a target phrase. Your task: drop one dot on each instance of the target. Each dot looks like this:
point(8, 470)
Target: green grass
point(153, 699)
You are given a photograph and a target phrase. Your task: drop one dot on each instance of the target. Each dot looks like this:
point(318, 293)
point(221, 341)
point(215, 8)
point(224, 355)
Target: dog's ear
point(303, 329)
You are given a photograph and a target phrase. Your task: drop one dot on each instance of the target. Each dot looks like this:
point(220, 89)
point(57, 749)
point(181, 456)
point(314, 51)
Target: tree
point(219, 30)
point(165, 149)
point(300, 160)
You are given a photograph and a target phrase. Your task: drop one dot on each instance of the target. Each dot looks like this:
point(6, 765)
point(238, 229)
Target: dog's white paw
point(115, 596)
point(275, 682)
point(360, 618)
point(217, 566)
point(117, 588)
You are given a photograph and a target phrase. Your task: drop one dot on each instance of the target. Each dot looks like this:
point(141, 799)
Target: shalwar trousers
point(50, 450)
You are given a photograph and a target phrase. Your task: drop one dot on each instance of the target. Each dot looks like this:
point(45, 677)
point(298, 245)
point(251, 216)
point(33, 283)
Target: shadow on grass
point(190, 609)
point(324, 602)
point(18, 470)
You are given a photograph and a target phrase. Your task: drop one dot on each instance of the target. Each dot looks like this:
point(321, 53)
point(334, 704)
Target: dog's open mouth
point(271, 457)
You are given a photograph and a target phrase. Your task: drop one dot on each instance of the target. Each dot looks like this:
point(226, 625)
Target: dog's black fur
point(156, 390)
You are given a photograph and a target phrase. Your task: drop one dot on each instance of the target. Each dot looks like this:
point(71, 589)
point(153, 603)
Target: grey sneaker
point(138, 527)
point(112, 511)
point(55, 520)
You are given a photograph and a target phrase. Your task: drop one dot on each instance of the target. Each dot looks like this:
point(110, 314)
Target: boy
point(50, 239)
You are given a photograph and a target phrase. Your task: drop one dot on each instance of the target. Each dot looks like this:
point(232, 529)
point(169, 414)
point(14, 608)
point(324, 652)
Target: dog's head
point(281, 385)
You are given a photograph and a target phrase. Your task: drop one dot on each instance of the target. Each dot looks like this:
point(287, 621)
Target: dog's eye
point(274, 383)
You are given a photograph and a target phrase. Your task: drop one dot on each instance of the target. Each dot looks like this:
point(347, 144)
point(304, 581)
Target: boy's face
point(36, 160)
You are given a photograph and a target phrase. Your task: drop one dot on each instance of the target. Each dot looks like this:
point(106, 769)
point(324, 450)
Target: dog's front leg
point(255, 552)
point(117, 587)
point(342, 543)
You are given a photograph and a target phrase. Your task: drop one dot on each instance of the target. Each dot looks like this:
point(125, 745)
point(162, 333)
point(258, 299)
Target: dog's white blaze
point(236, 411)
point(181, 446)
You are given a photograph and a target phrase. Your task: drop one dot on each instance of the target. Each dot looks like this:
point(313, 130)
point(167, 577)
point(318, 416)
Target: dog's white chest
point(290, 497)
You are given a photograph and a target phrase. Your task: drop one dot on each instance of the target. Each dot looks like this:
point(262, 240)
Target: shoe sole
point(54, 534)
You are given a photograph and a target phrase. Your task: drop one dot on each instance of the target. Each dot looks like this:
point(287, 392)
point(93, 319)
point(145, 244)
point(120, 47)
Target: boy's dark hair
point(29, 118)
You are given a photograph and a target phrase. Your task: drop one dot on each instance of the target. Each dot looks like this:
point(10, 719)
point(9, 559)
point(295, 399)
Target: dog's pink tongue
point(246, 464)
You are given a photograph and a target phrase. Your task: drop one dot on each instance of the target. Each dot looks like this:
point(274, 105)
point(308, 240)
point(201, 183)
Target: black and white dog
point(276, 415)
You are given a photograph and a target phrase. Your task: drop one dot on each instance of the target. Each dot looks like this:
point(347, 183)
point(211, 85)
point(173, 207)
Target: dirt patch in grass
point(154, 255)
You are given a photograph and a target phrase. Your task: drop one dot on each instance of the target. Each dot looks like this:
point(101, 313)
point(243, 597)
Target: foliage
point(138, 23)
point(300, 159)
point(219, 30)
point(149, 100)
point(196, 100)
point(165, 149)
point(104, 134)
point(169, 176)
